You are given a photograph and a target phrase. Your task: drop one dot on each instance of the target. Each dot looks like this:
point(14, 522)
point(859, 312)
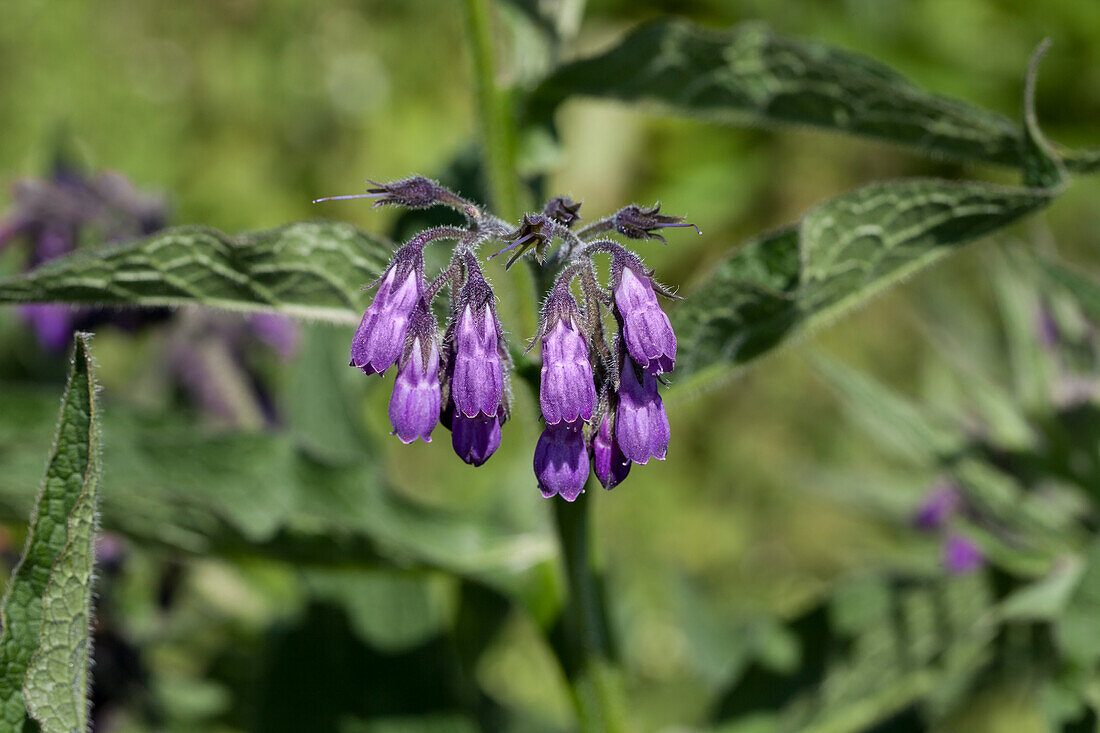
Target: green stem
point(498, 131)
point(497, 120)
point(585, 647)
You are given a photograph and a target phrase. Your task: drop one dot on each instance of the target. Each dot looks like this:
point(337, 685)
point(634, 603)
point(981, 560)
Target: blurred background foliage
point(240, 112)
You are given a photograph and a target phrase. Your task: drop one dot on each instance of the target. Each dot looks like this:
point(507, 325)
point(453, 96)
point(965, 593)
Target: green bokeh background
point(242, 111)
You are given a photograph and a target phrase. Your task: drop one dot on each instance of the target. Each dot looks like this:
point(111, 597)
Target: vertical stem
point(498, 126)
point(499, 139)
point(585, 646)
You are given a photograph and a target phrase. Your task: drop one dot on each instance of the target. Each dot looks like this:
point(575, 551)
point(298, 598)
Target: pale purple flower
point(475, 439)
point(641, 425)
point(961, 556)
point(380, 338)
point(277, 331)
point(414, 405)
point(609, 463)
point(567, 391)
point(561, 462)
point(647, 331)
point(53, 324)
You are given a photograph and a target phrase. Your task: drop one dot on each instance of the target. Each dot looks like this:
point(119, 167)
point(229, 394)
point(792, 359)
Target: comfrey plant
point(599, 396)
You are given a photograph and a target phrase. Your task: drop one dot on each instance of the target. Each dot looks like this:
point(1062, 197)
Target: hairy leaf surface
point(750, 75)
point(843, 252)
point(47, 610)
point(310, 270)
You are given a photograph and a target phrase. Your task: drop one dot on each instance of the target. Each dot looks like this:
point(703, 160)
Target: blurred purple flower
point(941, 503)
point(961, 556)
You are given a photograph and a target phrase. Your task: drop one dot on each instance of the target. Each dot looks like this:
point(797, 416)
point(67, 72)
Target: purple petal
point(608, 462)
point(475, 439)
point(961, 556)
point(380, 338)
point(561, 462)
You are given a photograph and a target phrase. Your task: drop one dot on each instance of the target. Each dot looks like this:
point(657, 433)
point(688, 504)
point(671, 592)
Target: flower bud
point(562, 210)
point(414, 406)
point(608, 462)
point(941, 503)
point(647, 331)
point(641, 425)
point(475, 439)
point(638, 223)
point(380, 338)
point(561, 462)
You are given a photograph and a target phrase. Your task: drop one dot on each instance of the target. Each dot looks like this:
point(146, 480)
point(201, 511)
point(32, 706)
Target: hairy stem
point(584, 644)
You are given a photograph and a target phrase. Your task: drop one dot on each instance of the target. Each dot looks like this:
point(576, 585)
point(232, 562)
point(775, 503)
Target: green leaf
point(1075, 630)
point(180, 484)
point(749, 75)
point(842, 253)
point(47, 610)
point(310, 270)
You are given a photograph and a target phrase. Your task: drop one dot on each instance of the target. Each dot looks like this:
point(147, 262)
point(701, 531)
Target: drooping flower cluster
point(599, 396)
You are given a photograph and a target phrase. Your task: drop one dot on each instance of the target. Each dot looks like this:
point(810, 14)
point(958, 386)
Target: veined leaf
point(842, 253)
point(749, 75)
point(47, 610)
point(310, 270)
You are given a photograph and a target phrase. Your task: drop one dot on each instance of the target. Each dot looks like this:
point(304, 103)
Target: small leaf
point(310, 270)
point(1075, 629)
point(47, 610)
point(843, 252)
point(749, 75)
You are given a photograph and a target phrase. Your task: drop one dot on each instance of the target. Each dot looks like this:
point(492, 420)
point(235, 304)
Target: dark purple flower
point(475, 439)
point(641, 425)
point(535, 231)
point(961, 556)
point(567, 391)
point(938, 506)
point(1050, 335)
point(647, 331)
point(561, 462)
point(380, 338)
point(414, 406)
point(608, 462)
point(477, 382)
point(638, 223)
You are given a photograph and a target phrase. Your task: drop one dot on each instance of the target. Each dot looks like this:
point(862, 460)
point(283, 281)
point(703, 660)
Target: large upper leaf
point(749, 75)
point(309, 269)
point(843, 252)
point(47, 610)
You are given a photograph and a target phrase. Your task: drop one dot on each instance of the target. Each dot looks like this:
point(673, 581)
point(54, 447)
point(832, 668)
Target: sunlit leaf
point(47, 610)
point(842, 253)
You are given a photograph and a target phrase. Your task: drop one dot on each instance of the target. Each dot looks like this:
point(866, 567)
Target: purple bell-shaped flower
point(477, 382)
point(641, 425)
point(567, 392)
point(647, 332)
point(475, 439)
point(414, 406)
point(380, 338)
